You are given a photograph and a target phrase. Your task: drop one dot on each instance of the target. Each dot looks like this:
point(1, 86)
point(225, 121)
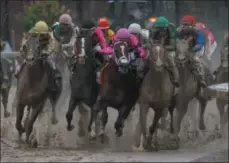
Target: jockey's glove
point(197, 48)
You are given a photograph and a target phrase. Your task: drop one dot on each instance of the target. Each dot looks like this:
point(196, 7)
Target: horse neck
point(184, 74)
point(159, 75)
point(35, 72)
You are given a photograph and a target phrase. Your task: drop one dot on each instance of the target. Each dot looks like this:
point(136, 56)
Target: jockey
point(187, 29)
point(104, 25)
point(162, 29)
point(124, 35)
point(46, 41)
point(210, 43)
point(100, 44)
point(64, 31)
point(141, 34)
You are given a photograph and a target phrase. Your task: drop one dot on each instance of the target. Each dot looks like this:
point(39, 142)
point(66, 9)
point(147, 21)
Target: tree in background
point(48, 11)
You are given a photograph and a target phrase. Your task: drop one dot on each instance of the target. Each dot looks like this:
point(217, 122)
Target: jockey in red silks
point(101, 47)
point(210, 43)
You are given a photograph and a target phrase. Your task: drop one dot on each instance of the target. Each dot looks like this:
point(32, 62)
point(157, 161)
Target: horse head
point(84, 45)
point(157, 57)
point(32, 50)
point(122, 59)
point(183, 50)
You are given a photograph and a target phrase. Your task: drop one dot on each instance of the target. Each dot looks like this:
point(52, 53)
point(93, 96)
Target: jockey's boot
point(173, 71)
point(19, 69)
point(199, 72)
point(54, 76)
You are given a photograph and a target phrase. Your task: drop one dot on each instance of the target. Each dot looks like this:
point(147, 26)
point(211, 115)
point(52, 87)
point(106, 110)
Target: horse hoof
point(34, 143)
point(54, 121)
point(202, 127)
point(92, 139)
point(81, 133)
point(136, 149)
point(118, 133)
point(6, 114)
point(70, 127)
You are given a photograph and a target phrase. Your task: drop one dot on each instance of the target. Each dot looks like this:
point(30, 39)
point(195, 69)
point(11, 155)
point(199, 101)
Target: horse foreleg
point(153, 127)
point(5, 95)
point(181, 111)
point(203, 104)
point(221, 107)
point(69, 115)
point(96, 118)
point(53, 100)
point(29, 128)
point(144, 108)
point(123, 113)
point(83, 120)
point(18, 125)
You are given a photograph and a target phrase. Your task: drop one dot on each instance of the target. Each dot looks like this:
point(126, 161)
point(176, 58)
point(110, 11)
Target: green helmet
point(161, 22)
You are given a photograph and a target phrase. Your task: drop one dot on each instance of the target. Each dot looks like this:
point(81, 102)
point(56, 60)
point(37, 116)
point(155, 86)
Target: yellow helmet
point(41, 27)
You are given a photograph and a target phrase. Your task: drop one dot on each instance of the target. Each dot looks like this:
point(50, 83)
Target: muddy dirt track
point(56, 144)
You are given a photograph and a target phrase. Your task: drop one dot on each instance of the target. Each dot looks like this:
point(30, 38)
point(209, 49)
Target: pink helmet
point(123, 33)
point(200, 25)
point(65, 19)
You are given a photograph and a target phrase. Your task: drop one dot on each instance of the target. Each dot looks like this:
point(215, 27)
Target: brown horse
point(33, 89)
point(119, 89)
point(157, 92)
point(189, 87)
point(222, 77)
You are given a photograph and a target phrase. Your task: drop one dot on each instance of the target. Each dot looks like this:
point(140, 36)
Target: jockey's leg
point(54, 74)
point(198, 70)
point(173, 69)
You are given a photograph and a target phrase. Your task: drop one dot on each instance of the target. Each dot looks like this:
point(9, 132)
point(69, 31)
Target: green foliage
point(48, 11)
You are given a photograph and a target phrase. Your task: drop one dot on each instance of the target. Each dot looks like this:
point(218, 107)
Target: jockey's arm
point(172, 39)
point(199, 40)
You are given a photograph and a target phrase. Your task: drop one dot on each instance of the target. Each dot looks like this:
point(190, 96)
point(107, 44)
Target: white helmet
point(135, 28)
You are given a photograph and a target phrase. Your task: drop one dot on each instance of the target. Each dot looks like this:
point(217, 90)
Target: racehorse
point(222, 77)
point(189, 87)
point(119, 89)
point(84, 87)
point(7, 70)
point(157, 92)
point(33, 89)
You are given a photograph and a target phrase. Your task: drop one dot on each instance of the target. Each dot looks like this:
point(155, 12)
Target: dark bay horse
point(157, 92)
point(33, 89)
point(221, 76)
point(7, 71)
point(84, 88)
point(189, 87)
point(119, 89)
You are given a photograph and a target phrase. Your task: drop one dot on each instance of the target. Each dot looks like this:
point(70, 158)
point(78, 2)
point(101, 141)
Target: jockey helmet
point(134, 28)
point(123, 33)
point(65, 19)
point(152, 19)
point(41, 27)
point(188, 20)
point(103, 23)
point(88, 24)
point(200, 25)
point(161, 22)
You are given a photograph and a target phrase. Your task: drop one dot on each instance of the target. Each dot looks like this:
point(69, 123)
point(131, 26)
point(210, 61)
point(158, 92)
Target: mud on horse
point(119, 89)
point(33, 90)
point(84, 88)
point(157, 91)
